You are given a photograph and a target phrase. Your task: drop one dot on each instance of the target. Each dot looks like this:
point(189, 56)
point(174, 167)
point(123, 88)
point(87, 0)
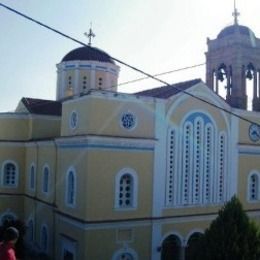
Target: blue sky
point(153, 35)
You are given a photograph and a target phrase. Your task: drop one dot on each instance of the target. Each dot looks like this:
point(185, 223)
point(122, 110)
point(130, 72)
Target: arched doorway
point(191, 247)
point(171, 248)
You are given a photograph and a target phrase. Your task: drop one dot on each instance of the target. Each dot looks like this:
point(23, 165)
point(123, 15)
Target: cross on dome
point(235, 13)
point(90, 35)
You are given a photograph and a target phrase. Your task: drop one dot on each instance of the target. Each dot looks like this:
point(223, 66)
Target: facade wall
point(101, 115)
point(99, 151)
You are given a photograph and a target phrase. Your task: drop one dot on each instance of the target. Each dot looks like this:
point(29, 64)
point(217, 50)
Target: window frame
point(45, 167)
point(15, 185)
point(250, 175)
point(73, 171)
point(32, 166)
point(45, 249)
point(118, 177)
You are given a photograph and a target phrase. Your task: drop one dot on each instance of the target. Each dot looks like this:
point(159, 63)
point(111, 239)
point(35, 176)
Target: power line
point(128, 65)
point(161, 74)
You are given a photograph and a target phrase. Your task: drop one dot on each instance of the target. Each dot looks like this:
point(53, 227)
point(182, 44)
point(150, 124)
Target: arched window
point(45, 181)
point(171, 164)
point(196, 162)
point(32, 177)
point(71, 187)
point(125, 254)
point(44, 238)
point(126, 189)
point(171, 248)
point(30, 231)
point(192, 245)
point(7, 218)
point(10, 174)
point(253, 187)
point(221, 180)
point(84, 82)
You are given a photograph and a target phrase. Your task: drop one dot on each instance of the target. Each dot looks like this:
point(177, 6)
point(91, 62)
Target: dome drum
point(83, 69)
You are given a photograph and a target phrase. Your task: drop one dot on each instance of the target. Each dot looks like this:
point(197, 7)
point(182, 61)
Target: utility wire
point(161, 74)
point(128, 65)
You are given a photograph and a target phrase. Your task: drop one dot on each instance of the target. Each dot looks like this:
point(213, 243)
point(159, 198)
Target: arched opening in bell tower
point(222, 80)
point(251, 85)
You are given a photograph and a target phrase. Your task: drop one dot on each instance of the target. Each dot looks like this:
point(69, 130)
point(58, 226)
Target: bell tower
point(233, 62)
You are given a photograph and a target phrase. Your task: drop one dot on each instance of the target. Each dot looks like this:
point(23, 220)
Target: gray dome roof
point(88, 53)
point(243, 30)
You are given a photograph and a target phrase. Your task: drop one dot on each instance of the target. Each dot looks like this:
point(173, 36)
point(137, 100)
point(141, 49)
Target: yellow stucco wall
point(99, 115)
point(102, 168)
point(9, 125)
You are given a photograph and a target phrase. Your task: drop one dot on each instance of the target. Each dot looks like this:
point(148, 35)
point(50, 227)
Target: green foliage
point(230, 236)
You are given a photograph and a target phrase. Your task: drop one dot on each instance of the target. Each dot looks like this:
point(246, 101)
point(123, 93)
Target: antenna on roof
point(90, 35)
point(235, 13)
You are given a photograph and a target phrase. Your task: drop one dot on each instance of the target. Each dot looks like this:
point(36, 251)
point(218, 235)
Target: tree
point(230, 236)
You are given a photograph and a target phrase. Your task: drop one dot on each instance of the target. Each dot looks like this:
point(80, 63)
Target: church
point(99, 174)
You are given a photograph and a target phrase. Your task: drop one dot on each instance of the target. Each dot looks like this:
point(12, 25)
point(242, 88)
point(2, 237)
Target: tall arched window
point(196, 162)
point(126, 189)
point(253, 187)
point(10, 174)
point(71, 187)
point(44, 238)
point(45, 181)
point(32, 177)
point(221, 178)
point(171, 248)
point(192, 245)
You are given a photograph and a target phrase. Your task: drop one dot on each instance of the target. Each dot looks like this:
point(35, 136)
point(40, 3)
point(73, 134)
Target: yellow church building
point(99, 174)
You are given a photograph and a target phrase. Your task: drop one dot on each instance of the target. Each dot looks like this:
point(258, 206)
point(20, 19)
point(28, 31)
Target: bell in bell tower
point(233, 63)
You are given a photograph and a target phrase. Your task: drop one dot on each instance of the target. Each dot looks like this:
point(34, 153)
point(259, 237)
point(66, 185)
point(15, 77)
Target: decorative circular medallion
point(254, 132)
point(73, 120)
point(128, 121)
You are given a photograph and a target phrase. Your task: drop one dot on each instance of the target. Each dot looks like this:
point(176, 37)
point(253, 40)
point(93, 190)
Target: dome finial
point(90, 34)
point(235, 13)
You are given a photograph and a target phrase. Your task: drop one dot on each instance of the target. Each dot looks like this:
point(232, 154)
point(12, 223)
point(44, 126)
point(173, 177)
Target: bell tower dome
point(233, 58)
point(83, 69)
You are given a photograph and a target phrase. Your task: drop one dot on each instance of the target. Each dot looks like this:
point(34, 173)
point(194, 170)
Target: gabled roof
point(168, 91)
point(42, 106)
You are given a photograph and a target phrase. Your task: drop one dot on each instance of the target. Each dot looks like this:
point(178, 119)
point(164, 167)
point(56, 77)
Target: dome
point(88, 53)
point(243, 30)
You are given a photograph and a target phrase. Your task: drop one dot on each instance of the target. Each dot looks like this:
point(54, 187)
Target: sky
point(153, 35)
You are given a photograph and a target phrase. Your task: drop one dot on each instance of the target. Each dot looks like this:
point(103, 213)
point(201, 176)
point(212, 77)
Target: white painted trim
point(156, 241)
point(159, 173)
point(101, 140)
point(134, 224)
